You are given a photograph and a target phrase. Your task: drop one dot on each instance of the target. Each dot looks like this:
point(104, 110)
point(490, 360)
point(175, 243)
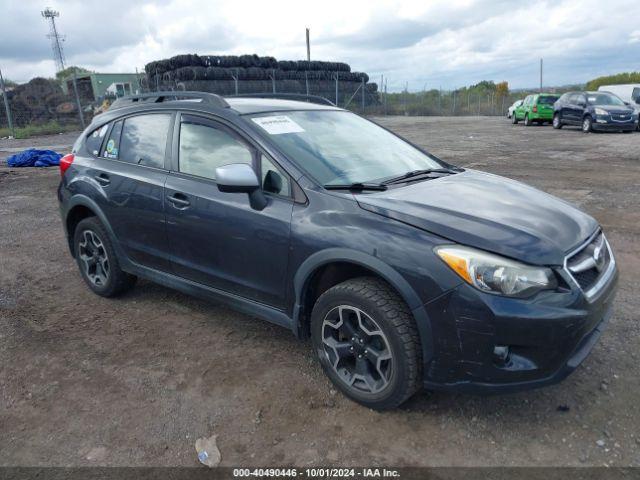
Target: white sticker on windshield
point(278, 124)
point(592, 99)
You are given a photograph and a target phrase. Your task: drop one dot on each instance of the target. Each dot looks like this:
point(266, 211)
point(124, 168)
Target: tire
point(514, 118)
point(557, 121)
point(386, 325)
point(587, 124)
point(527, 120)
point(104, 277)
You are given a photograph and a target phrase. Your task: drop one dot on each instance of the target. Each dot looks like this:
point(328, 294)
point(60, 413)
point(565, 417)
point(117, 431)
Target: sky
point(417, 44)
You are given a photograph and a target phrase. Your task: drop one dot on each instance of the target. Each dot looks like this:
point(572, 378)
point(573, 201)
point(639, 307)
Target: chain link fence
point(41, 106)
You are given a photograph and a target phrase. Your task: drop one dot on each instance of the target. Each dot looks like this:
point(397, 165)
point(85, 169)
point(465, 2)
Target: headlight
point(601, 111)
point(495, 274)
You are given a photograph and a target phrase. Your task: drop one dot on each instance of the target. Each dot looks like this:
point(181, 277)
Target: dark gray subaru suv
point(405, 271)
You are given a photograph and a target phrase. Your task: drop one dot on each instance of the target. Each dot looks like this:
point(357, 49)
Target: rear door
point(567, 110)
point(218, 239)
point(131, 177)
point(520, 111)
point(575, 108)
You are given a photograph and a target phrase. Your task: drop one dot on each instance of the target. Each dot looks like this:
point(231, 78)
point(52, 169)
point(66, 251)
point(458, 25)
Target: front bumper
point(547, 337)
point(605, 123)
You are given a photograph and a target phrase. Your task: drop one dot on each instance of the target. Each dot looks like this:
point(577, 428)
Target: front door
point(217, 238)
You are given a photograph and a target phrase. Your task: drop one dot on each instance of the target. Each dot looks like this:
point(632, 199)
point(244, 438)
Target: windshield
point(547, 100)
point(338, 147)
point(603, 99)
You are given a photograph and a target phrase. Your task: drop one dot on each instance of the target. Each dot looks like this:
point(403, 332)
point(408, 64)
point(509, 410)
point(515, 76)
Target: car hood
point(488, 212)
point(615, 108)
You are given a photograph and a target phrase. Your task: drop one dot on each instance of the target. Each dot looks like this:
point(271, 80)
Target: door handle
point(179, 200)
point(102, 179)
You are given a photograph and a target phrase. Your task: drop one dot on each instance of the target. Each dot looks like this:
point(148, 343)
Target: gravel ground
point(135, 381)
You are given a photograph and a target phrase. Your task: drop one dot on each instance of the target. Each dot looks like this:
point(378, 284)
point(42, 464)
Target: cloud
point(411, 42)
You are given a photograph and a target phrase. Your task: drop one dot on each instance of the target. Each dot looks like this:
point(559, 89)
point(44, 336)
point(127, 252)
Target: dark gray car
point(405, 271)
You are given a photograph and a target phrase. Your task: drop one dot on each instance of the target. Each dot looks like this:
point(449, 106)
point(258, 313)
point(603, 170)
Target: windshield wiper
point(417, 173)
point(357, 187)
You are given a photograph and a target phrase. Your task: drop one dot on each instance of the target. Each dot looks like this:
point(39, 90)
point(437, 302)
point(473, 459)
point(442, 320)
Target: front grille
point(590, 262)
point(621, 118)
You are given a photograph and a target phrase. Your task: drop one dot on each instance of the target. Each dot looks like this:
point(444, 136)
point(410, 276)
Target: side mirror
point(273, 182)
point(240, 178)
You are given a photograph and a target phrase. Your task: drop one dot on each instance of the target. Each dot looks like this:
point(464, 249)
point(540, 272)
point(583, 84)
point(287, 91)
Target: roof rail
point(287, 96)
point(160, 97)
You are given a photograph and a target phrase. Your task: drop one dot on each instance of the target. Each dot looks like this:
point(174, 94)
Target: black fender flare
point(85, 201)
point(385, 271)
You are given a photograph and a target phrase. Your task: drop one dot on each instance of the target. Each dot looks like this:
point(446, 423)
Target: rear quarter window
point(94, 140)
point(111, 147)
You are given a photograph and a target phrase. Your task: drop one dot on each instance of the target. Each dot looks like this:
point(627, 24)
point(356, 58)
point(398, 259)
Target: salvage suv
point(405, 271)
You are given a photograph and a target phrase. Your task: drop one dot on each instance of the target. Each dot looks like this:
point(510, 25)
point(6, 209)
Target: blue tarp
point(34, 158)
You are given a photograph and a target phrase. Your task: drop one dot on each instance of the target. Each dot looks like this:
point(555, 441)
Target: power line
point(56, 39)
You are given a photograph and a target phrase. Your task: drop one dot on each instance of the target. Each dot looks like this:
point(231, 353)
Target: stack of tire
point(254, 74)
point(39, 101)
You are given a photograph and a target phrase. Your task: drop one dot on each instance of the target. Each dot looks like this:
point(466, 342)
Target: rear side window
point(111, 147)
point(203, 148)
point(144, 139)
point(95, 139)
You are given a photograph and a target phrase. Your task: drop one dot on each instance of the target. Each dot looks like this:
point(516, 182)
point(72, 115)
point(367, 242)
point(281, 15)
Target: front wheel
point(514, 118)
point(587, 124)
point(367, 342)
point(557, 122)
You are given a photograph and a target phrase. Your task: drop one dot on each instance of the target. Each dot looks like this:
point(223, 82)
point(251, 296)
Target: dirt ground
point(135, 381)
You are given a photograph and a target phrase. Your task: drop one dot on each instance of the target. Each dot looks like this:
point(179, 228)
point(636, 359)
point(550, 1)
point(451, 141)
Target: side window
point(204, 148)
point(95, 138)
point(635, 95)
point(144, 139)
point(274, 180)
point(110, 149)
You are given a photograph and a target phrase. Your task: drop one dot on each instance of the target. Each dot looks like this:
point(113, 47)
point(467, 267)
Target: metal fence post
point(273, 80)
point(6, 106)
point(336, 89)
point(78, 105)
point(157, 82)
point(306, 81)
point(235, 80)
point(363, 92)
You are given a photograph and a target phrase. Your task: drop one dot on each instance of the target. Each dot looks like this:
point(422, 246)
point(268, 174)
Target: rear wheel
point(557, 121)
point(587, 124)
point(367, 342)
point(97, 260)
point(527, 120)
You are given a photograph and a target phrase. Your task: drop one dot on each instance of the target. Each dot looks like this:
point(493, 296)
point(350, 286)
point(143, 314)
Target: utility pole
point(308, 47)
point(56, 39)
point(540, 75)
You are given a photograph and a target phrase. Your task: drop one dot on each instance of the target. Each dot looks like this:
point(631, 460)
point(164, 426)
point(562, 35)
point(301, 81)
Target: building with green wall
point(94, 86)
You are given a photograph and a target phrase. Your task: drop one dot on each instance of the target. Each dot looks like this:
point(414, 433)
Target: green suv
point(535, 108)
